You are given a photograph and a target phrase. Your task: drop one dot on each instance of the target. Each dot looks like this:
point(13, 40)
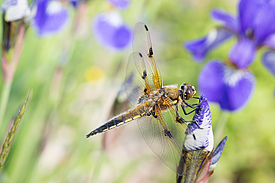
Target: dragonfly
point(155, 107)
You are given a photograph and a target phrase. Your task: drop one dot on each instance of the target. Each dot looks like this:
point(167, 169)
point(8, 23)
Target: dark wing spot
point(144, 74)
point(150, 52)
point(140, 54)
point(146, 28)
point(145, 90)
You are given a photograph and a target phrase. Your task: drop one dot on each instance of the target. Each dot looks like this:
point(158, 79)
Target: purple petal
point(74, 2)
point(199, 48)
point(269, 61)
point(247, 9)
point(218, 151)
point(210, 81)
point(202, 116)
point(225, 19)
point(51, 17)
point(229, 87)
point(111, 32)
point(122, 4)
point(204, 134)
point(270, 41)
point(257, 19)
point(242, 54)
point(122, 35)
point(264, 22)
point(239, 86)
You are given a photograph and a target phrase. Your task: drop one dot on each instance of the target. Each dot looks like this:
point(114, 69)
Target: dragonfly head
point(187, 91)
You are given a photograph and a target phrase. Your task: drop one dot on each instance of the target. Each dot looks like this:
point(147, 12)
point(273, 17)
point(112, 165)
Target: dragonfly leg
point(189, 105)
point(187, 113)
point(168, 133)
point(193, 106)
point(179, 119)
point(151, 113)
point(197, 124)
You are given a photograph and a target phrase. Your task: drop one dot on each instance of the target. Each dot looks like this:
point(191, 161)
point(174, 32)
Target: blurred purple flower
point(231, 84)
point(200, 47)
point(75, 3)
point(254, 27)
point(268, 61)
point(110, 30)
point(15, 9)
point(230, 87)
point(51, 17)
point(121, 4)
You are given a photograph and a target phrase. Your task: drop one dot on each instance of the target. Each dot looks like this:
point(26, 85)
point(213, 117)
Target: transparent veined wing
point(164, 136)
point(142, 44)
point(135, 86)
point(142, 68)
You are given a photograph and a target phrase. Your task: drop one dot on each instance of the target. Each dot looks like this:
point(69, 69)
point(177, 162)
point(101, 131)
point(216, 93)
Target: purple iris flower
point(75, 3)
point(51, 17)
point(227, 85)
point(254, 27)
point(121, 4)
point(110, 30)
point(231, 84)
point(200, 47)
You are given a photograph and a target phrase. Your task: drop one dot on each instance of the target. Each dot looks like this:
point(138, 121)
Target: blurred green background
point(74, 82)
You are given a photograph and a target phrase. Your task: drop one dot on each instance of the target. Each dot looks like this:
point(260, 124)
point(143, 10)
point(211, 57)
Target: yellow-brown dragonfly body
point(158, 101)
point(155, 106)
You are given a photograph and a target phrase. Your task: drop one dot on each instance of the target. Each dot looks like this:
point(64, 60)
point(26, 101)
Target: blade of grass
point(6, 145)
point(4, 101)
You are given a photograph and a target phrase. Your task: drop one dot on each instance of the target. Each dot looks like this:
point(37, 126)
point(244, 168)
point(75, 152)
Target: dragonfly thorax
point(172, 92)
point(156, 95)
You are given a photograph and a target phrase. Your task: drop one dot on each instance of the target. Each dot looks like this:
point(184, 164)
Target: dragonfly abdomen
point(130, 115)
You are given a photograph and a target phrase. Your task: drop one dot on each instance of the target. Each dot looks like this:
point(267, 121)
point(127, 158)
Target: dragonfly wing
point(143, 75)
point(166, 147)
point(142, 44)
point(134, 85)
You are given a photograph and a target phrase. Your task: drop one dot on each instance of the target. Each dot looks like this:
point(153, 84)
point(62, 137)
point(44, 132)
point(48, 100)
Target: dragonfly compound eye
point(188, 91)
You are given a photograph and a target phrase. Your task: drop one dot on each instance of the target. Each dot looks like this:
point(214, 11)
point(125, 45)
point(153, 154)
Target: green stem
point(220, 126)
point(98, 166)
point(4, 101)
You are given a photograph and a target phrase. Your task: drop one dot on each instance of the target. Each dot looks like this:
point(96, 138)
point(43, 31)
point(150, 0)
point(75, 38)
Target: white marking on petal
point(232, 76)
point(114, 18)
point(212, 36)
point(54, 7)
point(211, 140)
